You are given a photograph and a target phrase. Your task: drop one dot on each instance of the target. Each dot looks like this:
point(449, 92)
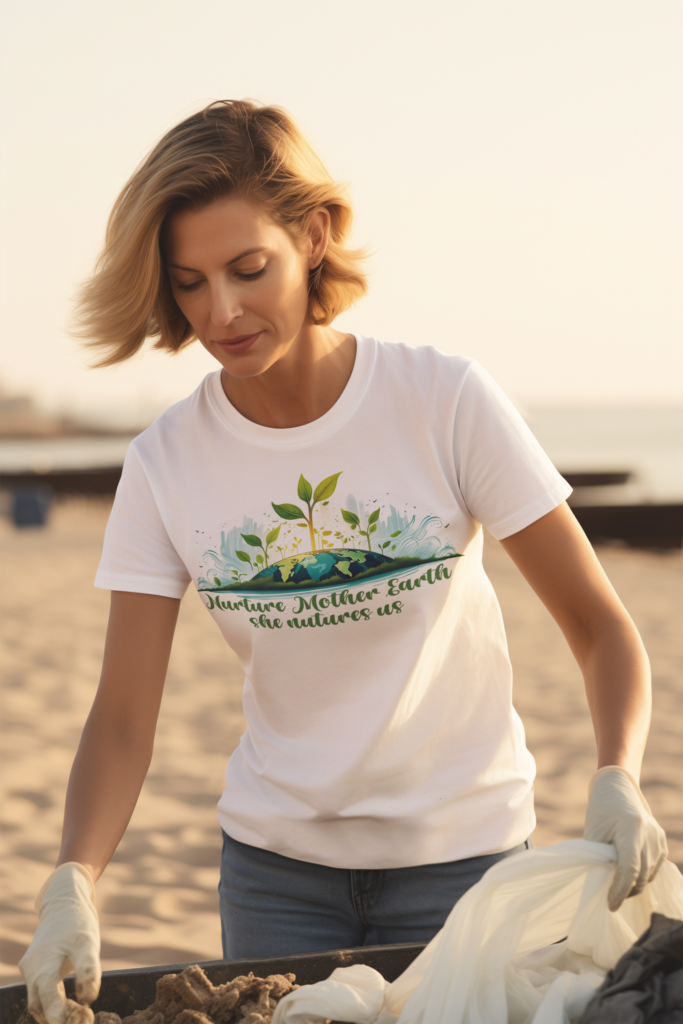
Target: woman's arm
point(106, 778)
point(116, 745)
point(556, 559)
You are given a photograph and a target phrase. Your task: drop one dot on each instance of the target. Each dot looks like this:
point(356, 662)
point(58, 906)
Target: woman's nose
point(225, 305)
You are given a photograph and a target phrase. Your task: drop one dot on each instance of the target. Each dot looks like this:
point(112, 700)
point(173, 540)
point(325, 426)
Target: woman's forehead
point(223, 230)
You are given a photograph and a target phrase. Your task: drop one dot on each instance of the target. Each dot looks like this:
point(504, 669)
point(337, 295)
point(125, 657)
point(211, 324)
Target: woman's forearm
point(104, 786)
point(616, 673)
point(556, 559)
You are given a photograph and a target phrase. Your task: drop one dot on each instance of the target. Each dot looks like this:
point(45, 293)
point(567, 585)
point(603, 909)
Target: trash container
point(123, 992)
point(31, 504)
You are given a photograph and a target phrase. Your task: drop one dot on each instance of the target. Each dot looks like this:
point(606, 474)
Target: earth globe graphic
point(335, 565)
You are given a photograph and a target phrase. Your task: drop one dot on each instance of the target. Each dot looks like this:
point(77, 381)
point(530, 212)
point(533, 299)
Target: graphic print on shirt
point(322, 546)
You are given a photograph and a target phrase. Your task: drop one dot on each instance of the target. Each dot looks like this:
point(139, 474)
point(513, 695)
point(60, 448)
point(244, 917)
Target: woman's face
point(240, 281)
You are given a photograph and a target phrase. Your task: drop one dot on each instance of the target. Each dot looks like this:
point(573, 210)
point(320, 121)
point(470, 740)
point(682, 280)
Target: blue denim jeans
point(273, 905)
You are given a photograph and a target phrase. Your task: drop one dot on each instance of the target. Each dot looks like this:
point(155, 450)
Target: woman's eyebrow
point(235, 259)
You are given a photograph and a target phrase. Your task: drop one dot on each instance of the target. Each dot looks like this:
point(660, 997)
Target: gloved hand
point(67, 939)
point(618, 813)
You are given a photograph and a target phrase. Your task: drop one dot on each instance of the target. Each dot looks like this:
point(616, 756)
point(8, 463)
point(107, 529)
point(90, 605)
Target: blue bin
point(31, 504)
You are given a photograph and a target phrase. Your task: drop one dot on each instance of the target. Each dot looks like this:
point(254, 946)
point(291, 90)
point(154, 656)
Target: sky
point(515, 166)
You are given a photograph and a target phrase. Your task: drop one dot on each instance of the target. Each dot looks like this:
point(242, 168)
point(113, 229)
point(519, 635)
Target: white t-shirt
point(342, 561)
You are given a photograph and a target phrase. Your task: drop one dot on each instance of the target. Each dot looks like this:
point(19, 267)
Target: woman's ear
point(319, 236)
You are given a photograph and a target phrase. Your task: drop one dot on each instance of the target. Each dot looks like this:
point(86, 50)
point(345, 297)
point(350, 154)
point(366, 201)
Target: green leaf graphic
point(396, 533)
point(288, 511)
point(371, 529)
point(273, 535)
point(326, 487)
point(252, 540)
point(304, 489)
point(243, 556)
point(217, 581)
point(350, 517)
point(373, 517)
point(326, 503)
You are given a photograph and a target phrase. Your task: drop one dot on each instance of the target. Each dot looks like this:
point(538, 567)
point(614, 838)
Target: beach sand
point(157, 900)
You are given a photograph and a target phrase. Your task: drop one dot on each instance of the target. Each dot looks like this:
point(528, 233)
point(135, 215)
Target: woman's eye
point(250, 277)
point(243, 276)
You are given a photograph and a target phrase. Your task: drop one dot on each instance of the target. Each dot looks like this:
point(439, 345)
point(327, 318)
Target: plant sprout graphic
point(244, 557)
point(321, 537)
point(325, 489)
point(255, 542)
point(237, 577)
point(354, 522)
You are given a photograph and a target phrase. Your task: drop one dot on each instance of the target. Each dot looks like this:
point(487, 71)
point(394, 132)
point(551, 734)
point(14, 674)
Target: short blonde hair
point(232, 147)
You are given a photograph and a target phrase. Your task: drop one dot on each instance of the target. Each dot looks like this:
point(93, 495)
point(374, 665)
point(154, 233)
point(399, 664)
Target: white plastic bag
point(493, 962)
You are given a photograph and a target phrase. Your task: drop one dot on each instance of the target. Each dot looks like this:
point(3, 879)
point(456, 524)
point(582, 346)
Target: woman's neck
point(301, 387)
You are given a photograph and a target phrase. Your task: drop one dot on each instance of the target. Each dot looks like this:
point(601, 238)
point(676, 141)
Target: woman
point(324, 492)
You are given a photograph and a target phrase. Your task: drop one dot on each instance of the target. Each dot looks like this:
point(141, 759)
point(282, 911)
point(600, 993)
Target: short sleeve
point(505, 477)
point(138, 555)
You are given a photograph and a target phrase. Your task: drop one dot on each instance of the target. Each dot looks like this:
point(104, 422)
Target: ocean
point(645, 442)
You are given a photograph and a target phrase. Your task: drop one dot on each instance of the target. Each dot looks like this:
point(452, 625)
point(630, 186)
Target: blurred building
point(22, 417)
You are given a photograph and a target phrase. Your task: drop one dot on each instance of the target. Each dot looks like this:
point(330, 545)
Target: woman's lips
point(239, 344)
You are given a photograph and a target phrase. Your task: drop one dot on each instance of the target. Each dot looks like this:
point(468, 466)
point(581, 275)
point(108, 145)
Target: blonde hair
point(230, 148)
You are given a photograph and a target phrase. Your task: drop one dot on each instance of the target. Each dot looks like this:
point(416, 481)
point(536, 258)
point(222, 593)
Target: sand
point(157, 900)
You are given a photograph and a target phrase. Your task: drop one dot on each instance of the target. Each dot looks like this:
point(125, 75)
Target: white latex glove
point(67, 939)
point(618, 813)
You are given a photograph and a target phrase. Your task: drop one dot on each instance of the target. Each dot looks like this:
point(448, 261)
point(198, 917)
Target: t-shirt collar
point(308, 433)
